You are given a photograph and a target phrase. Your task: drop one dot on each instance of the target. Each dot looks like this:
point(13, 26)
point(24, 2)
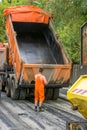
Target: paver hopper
point(77, 95)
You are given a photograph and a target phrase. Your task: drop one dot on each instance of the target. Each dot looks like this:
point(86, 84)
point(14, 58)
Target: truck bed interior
point(37, 44)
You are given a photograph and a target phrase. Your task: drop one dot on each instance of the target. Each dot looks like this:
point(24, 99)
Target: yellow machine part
point(77, 95)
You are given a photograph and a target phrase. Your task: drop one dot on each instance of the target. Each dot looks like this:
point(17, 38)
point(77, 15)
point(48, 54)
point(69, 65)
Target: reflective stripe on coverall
point(40, 81)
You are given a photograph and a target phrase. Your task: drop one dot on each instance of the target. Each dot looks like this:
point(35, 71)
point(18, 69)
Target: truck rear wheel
point(0, 83)
point(8, 87)
point(22, 94)
point(14, 90)
point(55, 93)
point(48, 94)
point(52, 94)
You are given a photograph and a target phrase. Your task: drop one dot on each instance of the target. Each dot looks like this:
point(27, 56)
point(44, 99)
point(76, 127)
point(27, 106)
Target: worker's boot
point(41, 109)
point(35, 108)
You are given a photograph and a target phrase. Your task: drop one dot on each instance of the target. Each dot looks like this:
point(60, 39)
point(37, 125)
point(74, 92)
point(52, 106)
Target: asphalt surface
point(20, 114)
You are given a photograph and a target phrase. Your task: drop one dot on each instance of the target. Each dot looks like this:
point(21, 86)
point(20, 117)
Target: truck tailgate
point(55, 74)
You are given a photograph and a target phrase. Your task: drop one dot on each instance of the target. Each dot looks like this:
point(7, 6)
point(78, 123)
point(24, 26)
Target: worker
point(40, 82)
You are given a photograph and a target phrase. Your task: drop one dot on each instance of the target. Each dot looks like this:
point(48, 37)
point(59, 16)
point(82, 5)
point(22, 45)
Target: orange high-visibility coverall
point(40, 81)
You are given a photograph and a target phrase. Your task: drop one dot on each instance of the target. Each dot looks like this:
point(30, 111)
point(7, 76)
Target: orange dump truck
point(32, 43)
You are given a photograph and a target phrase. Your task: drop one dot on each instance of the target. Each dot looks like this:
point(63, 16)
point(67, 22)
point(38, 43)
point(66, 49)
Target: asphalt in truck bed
point(35, 50)
point(20, 115)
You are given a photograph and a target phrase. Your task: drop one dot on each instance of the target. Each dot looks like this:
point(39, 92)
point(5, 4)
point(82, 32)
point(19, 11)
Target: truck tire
point(14, 90)
point(55, 93)
point(48, 94)
point(0, 83)
point(8, 87)
point(22, 94)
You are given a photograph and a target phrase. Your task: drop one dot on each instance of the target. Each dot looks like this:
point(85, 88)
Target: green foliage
point(2, 24)
point(70, 37)
point(3, 5)
point(69, 15)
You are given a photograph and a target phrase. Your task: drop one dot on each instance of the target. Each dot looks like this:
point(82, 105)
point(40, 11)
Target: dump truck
point(32, 43)
point(77, 95)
